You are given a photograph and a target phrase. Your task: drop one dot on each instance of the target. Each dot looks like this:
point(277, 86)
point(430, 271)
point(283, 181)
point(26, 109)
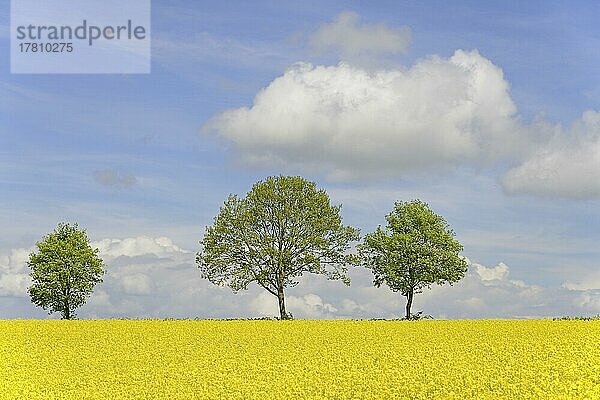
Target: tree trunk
point(409, 299)
point(66, 306)
point(281, 298)
point(66, 311)
point(66, 294)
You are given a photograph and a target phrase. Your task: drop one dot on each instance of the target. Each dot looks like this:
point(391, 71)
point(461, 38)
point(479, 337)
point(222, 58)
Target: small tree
point(284, 227)
point(416, 250)
point(64, 270)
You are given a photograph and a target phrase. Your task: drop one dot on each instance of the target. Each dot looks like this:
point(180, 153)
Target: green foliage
point(64, 270)
point(567, 318)
point(286, 315)
point(415, 250)
point(284, 227)
point(418, 316)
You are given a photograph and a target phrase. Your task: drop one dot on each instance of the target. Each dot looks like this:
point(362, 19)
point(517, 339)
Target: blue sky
point(135, 158)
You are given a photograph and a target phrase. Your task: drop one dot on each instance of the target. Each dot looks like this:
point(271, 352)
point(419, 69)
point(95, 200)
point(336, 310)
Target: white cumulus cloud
point(589, 301)
point(487, 292)
point(14, 274)
point(137, 246)
point(498, 272)
point(265, 304)
point(310, 306)
point(348, 122)
point(568, 166)
point(590, 282)
point(136, 284)
point(304, 306)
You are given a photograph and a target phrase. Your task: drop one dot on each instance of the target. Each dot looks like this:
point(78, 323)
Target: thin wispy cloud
point(353, 41)
point(114, 179)
point(204, 49)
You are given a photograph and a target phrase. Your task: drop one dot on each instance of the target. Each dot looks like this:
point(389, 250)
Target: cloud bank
point(154, 278)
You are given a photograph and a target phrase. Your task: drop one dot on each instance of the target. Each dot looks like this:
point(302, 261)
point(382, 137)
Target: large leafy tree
point(64, 270)
point(283, 228)
point(415, 250)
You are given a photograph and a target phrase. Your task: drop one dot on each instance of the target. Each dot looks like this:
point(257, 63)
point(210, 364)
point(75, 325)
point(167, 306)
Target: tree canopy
point(415, 250)
point(283, 228)
point(64, 270)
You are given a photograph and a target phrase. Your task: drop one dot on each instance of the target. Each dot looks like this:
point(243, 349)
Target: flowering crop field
point(145, 359)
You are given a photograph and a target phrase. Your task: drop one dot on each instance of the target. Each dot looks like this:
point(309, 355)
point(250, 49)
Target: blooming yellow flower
point(299, 359)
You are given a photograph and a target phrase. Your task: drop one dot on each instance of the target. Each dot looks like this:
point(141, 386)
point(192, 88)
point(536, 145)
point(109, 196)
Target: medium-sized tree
point(283, 228)
point(415, 250)
point(64, 270)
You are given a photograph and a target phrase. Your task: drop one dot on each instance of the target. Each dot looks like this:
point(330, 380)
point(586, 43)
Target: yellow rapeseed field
point(148, 359)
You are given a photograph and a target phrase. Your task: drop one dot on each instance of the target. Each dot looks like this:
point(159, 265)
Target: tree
point(64, 270)
point(417, 249)
point(284, 227)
